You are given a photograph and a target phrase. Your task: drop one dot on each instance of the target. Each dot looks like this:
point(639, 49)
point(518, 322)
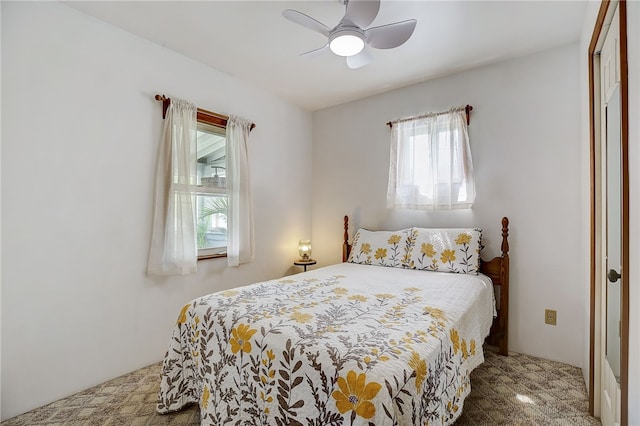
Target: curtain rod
point(467, 110)
point(219, 118)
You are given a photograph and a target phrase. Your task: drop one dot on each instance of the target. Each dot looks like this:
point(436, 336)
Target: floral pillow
point(444, 250)
point(382, 248)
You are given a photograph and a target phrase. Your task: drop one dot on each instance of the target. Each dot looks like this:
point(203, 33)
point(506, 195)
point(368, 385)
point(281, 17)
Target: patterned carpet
point(515, 390)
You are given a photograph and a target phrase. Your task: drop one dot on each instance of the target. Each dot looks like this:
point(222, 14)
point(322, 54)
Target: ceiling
point(252, 41)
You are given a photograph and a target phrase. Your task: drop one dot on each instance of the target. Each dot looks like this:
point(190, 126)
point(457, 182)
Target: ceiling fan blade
point(359, 60)
point(306, 21)
point(315, 52)
point(390, 35)
point(362, 12)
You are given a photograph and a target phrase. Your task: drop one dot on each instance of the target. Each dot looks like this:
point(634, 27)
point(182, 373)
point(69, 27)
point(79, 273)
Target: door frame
point(596, 275)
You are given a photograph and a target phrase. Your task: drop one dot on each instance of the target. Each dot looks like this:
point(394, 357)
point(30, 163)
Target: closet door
point(612, 167)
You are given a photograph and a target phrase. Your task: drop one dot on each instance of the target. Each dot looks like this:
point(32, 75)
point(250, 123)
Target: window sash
point(211, 232)
point(206, 231)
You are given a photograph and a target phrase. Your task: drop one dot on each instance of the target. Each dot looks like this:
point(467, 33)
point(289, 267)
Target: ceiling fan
point(350, 38)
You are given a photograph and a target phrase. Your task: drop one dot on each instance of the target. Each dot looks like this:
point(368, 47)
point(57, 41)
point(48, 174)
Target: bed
point(375, 340)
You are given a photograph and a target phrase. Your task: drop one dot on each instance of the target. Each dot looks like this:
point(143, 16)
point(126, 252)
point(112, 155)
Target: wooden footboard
point(497, 269)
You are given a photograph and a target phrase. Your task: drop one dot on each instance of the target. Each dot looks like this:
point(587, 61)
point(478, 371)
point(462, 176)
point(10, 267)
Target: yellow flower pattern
point(463, 349)
point(385, 296)
point(460, 345)
point(455, 340)
point(394, 239)
point(448, 256)
point(436, 313)
point(381, 253)
point(463, 238)
point(419, 366)
point(182, 318)
point(204, 403)
point(301, 318)
point(355, 395)
point(428, 250)
point(240, 340)
point(358, 298)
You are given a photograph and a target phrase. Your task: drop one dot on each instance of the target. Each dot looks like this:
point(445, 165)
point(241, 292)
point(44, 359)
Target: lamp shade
point(304, 248)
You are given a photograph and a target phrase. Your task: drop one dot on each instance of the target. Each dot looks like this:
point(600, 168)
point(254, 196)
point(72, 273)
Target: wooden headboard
point(497, 269)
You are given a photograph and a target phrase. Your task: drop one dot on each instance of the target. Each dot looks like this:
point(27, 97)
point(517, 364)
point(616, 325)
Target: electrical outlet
point(550, 317)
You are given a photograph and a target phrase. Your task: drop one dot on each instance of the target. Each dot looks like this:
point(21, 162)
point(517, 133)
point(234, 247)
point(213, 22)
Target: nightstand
point(304, 263)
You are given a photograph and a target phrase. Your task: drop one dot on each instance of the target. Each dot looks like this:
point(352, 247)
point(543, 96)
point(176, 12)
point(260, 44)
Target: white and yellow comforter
point(344, 344)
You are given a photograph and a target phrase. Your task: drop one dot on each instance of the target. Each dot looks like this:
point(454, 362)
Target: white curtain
point(173, 244)
point(430, 163)
point(240, 243)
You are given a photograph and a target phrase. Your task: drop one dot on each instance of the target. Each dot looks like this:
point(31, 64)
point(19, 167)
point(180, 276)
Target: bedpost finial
point(346, 228)
point(505, 235)
point(346, 247)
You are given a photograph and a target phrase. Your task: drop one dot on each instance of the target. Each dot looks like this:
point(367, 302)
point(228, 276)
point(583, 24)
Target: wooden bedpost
point(505, 236)
point(346, 247)
point(498, 270)
point(504, 288)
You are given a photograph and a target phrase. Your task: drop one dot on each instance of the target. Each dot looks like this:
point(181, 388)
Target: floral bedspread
point(345, 344)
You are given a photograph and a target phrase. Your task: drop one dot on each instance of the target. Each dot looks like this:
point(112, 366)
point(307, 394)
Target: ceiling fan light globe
point(346, 43)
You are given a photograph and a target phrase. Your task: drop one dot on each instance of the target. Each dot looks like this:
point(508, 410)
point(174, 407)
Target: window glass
point(448, 161)
point(211, 206)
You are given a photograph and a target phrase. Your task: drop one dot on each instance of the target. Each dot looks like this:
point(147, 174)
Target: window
point(430, 165)
point(211, 199)
point(202, 189)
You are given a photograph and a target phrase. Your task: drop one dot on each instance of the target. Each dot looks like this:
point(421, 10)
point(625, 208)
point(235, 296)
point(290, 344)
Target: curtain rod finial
point(165, 104)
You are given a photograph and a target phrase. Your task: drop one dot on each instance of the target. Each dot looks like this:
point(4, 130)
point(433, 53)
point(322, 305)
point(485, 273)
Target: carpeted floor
point(514, 390)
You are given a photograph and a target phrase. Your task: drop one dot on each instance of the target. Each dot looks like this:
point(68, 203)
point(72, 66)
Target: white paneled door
point(612, 230)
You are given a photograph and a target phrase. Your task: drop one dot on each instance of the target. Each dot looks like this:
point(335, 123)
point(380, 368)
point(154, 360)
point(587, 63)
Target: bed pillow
point(382, 248)
point(445, 250)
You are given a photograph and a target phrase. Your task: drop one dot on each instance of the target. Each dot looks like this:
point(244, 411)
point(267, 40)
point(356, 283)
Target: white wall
point(525, 142)
point(633, 62)
point(79, 136)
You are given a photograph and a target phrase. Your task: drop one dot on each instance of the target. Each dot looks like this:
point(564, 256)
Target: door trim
point(594, 239)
